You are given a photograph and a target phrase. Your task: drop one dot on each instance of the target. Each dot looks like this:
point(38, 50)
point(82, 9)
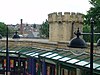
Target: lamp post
point(80, 43)
point(7, 55)
point(91, 47)
point(7, 52)
point(16, 37)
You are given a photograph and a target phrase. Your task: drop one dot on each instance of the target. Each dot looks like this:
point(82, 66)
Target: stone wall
point(45, 44)
point(60, 26)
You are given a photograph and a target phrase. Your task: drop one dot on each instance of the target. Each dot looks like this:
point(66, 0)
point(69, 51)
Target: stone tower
point(62, 27)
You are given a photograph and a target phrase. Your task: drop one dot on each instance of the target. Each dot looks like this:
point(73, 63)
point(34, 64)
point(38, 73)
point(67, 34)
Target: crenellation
point(49, 17)
point(79, 17)
point(66, 12)
point(59, 13)
point(54, 17)
point(66, 16)
point(59, 17)
point(73, 16)
point(73, 13)
point(61, 28)
point(79, 14)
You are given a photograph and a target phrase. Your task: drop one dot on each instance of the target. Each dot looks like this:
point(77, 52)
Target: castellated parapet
point(61, 27)
point(67, 17)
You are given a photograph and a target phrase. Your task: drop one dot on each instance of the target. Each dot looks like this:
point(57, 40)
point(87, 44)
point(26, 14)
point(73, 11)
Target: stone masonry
point(62, 27)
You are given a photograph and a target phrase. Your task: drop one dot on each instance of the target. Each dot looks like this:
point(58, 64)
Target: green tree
point(44, 30)
point(94, 13)
point(3, 30)
point(86, 29)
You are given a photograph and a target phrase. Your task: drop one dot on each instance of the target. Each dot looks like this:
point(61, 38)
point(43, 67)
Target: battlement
point(66, 17)
point(61, 27)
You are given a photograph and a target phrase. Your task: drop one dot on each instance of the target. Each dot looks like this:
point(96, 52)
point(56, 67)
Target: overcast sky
point(36, 11)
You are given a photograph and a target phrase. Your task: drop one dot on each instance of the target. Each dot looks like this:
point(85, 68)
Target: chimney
point(21, 27)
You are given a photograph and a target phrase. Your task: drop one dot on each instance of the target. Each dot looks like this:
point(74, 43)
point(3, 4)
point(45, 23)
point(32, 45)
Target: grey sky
point(36, 11)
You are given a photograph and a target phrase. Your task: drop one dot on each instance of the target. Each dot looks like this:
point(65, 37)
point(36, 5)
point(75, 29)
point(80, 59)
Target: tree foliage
point(44, 30)
point(94, 13)
point(3, 30)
